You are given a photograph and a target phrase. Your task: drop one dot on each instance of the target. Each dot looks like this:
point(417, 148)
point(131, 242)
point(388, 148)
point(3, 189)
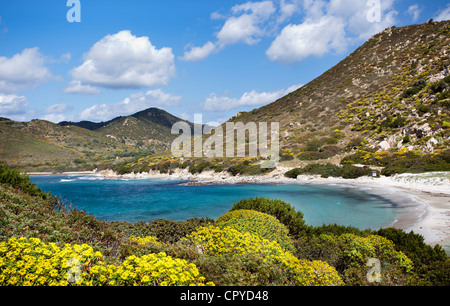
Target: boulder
point(384, 145)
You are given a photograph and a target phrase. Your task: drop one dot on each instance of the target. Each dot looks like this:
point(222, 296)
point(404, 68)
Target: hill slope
point(391, 94)
point(149, 128)
point(44, 146)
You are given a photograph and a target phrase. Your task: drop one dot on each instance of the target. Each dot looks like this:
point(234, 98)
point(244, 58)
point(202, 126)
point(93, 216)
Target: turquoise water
point(148, 199)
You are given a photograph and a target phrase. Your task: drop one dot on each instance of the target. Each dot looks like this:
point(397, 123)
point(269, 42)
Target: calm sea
point(148, 199)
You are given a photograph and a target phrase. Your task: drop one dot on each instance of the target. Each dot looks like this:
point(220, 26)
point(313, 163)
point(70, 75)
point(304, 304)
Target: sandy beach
point(425, 197)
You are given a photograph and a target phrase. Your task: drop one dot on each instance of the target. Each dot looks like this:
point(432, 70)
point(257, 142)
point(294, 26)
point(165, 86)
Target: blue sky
point(208, 57)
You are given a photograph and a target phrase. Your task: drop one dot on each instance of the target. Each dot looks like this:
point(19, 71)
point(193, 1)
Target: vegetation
point(402, 161)
point(260, 224)
point(326, 170)
point(281, 210)
point(45, 242)
point(394, 90)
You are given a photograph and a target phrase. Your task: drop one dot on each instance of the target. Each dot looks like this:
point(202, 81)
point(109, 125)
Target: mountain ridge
point(40, 145)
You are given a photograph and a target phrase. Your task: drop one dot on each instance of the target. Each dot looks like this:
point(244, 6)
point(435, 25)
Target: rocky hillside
point(390, 95)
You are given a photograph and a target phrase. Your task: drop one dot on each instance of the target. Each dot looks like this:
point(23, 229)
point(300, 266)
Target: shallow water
point(148, 199)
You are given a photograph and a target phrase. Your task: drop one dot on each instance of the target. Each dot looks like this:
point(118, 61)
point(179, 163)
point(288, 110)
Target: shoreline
point(425, 196)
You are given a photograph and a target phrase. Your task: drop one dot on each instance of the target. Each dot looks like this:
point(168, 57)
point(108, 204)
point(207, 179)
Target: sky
point(96, 59)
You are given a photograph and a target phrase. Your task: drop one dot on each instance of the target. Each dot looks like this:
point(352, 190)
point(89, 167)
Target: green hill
point(40, 145)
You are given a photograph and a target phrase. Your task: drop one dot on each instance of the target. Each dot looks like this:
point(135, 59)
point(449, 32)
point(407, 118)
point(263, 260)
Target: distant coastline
point(427, 214)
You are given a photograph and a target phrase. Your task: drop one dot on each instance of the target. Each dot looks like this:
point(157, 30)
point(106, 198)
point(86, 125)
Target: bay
point(149, 199)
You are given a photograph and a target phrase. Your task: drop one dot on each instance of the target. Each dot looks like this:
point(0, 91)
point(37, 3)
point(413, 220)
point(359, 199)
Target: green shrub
point(246, 168)
point(15, 179)
point(281, 210)
point(247, 247)
point(431, 264)
point(327, 170)
point(261, 224)
point(352, 252)
point(414, 89)
point(413, 163)
point(166, 231)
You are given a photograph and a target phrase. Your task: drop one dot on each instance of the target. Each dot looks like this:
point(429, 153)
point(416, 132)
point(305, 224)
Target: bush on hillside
point(215, 241)
point(281, 210)
point(255, 222)
point(327, 170)
point(15, 179)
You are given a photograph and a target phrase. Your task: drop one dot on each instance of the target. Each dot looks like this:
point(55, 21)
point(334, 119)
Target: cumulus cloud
point(12, 105)
point(329, 26)
point(58, 108)
point(198, 53)
point(123, 60)
point(217, 103)
point(75, 87)
point(23, 71)
point(55, 118)
point(318, 37)
point(443, 14)
point(288, 9)
point(414, 11)
point(132, 104)
point(246, 25)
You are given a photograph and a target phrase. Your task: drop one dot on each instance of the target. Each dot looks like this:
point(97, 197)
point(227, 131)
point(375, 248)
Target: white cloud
point(123, 60)
point(443, 14)
point(247, 25)
point(414, 11)
point(56, 113)
point(199, 53)
point(132, 104)
point(329, 26)
point(217, 103)
point(217, 16)
point(359, 27)
point(288, 9)
point(65, 58)
point(58, 108)
point(55, 118)
point(75, 87)
point(313, 37)
point(23, 71)
point(12, 105)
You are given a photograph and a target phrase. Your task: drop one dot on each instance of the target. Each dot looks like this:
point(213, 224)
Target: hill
point(394, 85)
point(149, 128)
point(40, 145)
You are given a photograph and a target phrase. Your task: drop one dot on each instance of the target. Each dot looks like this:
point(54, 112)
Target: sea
point(136, 200)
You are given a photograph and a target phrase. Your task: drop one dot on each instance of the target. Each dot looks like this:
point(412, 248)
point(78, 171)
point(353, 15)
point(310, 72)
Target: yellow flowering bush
point(361, 248)
point(213, 240)
point(255, 222)
point(151, 269)
point(28, 262)
point(145, 240)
